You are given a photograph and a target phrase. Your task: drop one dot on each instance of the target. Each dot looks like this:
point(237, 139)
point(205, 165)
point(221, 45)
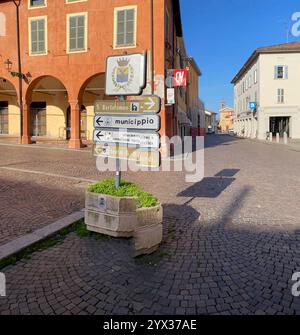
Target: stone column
point(26, 138)
point(261, 128)
point(75, 141)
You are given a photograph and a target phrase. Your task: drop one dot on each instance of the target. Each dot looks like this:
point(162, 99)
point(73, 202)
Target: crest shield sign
point(125, 74)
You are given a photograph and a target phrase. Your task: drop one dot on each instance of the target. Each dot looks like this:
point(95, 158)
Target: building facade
point(181, 93)
point(226, 118)
point(266, 98)
point(210, 122)
point(196, 110)
point(64, 46)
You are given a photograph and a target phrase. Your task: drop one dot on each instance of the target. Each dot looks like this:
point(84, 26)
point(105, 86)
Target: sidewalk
point(43, 143)
point(292, 144)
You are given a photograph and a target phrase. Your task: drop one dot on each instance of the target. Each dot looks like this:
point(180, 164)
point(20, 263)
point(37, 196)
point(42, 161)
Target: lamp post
point(8, 63)
point(17, 4)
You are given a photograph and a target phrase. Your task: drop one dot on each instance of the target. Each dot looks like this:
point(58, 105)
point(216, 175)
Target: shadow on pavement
point(217, 140)
point(211, 187)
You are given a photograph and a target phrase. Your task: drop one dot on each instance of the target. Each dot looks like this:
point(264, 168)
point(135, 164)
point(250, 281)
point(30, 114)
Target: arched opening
point(91, 91)
point(9, 109)
point(48, 103)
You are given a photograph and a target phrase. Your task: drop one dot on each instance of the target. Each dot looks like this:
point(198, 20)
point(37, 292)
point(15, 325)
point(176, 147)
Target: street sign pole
point(118, 164)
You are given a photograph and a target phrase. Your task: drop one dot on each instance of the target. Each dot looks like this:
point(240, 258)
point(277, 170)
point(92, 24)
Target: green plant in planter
point(126, 189)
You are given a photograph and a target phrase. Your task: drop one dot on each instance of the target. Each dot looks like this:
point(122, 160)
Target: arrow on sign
point(99, 121)
point(99, 135)
point(151, 103)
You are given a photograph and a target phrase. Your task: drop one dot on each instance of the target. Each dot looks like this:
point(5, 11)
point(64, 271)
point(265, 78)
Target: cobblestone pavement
point(230, 241)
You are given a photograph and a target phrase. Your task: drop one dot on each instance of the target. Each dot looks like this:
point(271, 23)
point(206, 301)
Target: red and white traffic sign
point(180, 77)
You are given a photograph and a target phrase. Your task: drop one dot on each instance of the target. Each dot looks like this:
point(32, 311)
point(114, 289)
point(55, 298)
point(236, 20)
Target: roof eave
point(255, 55)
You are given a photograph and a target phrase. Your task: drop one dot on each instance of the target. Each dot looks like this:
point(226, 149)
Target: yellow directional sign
point(141, 157)
point(145, 104)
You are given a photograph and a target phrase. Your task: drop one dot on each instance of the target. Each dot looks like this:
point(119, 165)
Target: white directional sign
point(142, 157)
point(125, 74)
point(124, 121)
point(141, 139)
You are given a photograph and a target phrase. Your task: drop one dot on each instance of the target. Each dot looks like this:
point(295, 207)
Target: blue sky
point(221, 35)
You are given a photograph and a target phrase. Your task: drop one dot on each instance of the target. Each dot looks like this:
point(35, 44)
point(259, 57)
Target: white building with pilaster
point(270, 79)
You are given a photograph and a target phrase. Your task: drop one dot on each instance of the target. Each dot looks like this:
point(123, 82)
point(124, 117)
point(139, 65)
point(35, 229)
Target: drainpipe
point(17, 4)
point(152, 45)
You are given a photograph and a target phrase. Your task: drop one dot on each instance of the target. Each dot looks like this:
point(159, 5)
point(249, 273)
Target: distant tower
point(222, 104)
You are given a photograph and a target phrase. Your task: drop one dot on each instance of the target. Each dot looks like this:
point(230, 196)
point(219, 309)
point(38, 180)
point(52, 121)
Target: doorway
point(38, 122)
point(280, 125)
point(83, 122)
point(3, 117)
point(68, 124)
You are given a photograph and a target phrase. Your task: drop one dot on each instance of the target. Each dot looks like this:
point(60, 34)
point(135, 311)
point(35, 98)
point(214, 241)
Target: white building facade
point(270, 82)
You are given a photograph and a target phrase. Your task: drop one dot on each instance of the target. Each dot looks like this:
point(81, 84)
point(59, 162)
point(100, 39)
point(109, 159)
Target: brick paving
point(230, 242)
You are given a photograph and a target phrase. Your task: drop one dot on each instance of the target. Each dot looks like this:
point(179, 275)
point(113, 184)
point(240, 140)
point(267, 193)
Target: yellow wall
point(56, 100)
point(57, 105)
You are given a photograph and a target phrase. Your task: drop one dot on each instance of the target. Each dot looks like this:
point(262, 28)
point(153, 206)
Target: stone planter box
point(119, 217)
point(109, 215)
point(149, 232)
point(149, 216)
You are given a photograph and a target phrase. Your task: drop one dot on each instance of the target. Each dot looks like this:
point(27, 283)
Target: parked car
point(210, 130)
point(231, 132)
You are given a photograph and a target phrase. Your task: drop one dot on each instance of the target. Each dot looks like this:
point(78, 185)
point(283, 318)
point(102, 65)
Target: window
point(255, 77)
point(71, 1)
point(250, 81)
point(280, 96)
point(281, 72)
point(4, 117)
point(37, 3)
point(38, 36)
point(77, 33)
point(125, 27)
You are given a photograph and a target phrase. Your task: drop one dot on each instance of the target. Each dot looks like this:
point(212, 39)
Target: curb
point(14, 247)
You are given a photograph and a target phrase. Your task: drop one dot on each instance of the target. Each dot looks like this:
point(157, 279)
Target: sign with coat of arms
point(125, 74)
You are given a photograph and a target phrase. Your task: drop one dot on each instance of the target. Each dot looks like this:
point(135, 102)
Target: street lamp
point(8, 63)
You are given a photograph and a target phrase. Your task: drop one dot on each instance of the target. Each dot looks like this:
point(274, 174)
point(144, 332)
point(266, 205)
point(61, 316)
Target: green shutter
point(77, 33)
point(125, 27)
point(38, 36)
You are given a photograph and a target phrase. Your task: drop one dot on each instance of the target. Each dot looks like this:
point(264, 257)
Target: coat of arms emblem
point(123, 74)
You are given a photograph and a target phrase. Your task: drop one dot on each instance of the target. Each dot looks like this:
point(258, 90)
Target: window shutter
point(38, 36)
point(125, 27)
point(77, 33)
point(286, 71)
point(276, 72)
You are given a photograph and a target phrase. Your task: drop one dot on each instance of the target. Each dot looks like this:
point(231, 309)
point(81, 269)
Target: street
point(231, 241)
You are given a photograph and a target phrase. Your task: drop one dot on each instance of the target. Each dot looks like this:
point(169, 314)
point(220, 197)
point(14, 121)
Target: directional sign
point(140, 156)
point(146, 104)
point(252, 105)
point(140, 121)
point(142, 139)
